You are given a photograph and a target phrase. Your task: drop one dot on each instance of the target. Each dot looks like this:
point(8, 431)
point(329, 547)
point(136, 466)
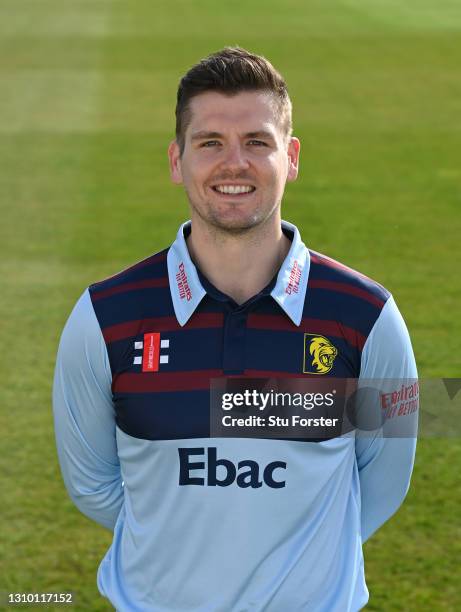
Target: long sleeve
point(84, 418)
point(385, 457)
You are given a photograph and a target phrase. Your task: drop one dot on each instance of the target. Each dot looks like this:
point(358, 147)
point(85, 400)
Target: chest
point(162, 374)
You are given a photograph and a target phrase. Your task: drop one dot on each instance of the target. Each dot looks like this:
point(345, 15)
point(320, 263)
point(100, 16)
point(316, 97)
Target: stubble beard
point(223, 227)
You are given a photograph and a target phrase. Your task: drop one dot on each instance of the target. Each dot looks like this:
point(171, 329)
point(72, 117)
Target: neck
point(239, 265)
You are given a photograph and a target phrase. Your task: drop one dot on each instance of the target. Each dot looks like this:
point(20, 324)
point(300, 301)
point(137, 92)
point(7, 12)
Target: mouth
point(235, 191)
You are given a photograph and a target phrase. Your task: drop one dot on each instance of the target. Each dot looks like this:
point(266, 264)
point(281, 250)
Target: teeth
point(234, 188)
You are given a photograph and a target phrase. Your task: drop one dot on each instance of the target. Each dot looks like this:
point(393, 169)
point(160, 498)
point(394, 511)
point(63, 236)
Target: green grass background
point(87, 94)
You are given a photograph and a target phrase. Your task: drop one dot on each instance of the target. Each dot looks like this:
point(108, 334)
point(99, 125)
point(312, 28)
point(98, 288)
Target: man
point(228, 524)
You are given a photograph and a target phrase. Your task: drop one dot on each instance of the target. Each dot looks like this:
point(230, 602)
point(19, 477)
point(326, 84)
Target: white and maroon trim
point(290, 289)
point(186, 289)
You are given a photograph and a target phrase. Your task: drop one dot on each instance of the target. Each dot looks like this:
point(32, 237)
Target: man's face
point(236, 160)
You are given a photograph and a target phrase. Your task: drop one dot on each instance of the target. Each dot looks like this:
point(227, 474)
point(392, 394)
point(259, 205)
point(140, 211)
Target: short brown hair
point(231, 71)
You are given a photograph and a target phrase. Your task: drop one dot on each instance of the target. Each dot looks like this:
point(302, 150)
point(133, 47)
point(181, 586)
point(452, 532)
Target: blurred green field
point(87, 94)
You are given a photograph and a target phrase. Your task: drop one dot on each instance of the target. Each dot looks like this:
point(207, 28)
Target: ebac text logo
point(245, 474)
point(319, 354)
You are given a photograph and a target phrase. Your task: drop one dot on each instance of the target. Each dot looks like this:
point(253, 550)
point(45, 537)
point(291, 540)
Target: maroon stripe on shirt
point(195, 380)
point(144, 284)
point(154, 259)
point(160, 324)
point(311, 326)
point(344, 288)
point(324, 260)
point(277, 374)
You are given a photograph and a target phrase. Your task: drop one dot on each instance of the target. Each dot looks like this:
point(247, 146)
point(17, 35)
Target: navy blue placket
point(235, 324)
point(234, 340)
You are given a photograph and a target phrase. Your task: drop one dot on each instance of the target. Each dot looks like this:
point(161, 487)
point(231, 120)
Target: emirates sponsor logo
point(295, 277)
point(183, 285)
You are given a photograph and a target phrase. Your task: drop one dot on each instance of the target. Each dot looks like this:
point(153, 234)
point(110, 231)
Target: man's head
point(234, 151)
point(231, 71)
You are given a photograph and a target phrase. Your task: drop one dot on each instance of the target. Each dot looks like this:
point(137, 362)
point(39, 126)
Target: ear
point(294, 147)
point(175, 163)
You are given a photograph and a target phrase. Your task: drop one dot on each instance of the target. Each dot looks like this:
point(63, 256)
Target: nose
point(235, 158)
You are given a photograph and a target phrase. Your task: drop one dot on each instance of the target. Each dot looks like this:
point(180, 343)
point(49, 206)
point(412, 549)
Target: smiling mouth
point(234, 190)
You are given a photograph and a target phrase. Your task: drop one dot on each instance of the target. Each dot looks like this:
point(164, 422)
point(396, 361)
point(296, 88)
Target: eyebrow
point(203, 135)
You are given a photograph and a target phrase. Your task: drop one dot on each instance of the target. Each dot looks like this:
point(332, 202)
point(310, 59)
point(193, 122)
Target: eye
point(258, 143)
point(209, 143)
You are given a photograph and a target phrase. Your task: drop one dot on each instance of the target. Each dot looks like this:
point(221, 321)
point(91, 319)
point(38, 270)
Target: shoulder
point(331, 275)
point(149, 272)
point(139, 292)
point(350, 300)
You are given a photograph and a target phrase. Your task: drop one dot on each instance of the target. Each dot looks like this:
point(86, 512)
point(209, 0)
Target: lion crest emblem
point(319, 354)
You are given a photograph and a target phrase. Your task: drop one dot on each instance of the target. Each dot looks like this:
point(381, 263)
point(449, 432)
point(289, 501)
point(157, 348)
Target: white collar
point(289, 291)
